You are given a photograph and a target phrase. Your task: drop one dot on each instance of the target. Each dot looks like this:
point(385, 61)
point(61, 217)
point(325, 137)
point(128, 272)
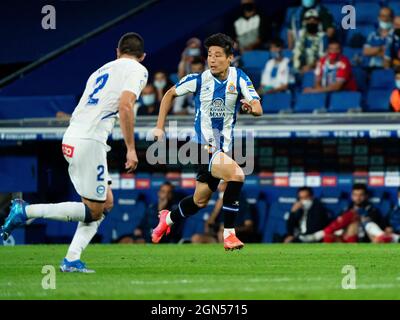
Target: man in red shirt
point(333, 72)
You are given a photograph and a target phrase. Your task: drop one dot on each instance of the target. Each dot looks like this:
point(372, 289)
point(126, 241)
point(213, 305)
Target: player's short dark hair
point(360, 186)
point(277, 42)
point(168, 184)
point(334, 41)
point(131, 43)
point(220, 40)
point(307, 189)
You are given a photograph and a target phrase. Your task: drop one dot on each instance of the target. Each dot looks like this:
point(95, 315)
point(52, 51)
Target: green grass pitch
point(205, 272)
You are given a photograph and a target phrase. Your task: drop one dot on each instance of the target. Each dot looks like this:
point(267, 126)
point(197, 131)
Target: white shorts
point(87, 167)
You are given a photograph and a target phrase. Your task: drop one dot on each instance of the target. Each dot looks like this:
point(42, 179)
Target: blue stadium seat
point(275, 227)
point(363, 30)
point(275, 102)
point(367, 12)
point(262, 214)
point(361, 78)
point(344, 100)
point(335, 205)
point(354, 55)
point(289, 13)
point(287, 53)
point(174, 77)
point(382, 79)
point(310, 102)
point(283, 35)
point(308, 80)
point(255, 59)
point(335, 9)
point(378, 100)
point(395, 5)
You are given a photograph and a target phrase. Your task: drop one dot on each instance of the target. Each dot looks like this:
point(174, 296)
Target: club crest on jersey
point(231, 88)
point(217, 109)
point(100, 190)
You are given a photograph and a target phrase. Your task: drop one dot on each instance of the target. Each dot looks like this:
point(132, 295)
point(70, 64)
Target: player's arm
point(251, 102)
point(165, 107)
point(126, 119)
point(253, 107)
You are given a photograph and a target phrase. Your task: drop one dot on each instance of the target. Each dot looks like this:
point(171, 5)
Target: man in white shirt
point(110, 90)
point(276, 75)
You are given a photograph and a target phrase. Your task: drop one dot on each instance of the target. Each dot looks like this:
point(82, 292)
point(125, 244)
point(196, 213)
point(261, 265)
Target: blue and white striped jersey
point(217, 104)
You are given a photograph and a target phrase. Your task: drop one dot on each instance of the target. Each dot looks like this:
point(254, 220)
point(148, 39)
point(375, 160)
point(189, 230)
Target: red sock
point(385, 238)
point(350, 239)
point(341, 222)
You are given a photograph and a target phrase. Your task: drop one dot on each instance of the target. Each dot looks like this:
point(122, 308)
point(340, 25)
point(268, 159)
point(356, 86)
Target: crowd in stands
point(314, 66)
point(308, 219)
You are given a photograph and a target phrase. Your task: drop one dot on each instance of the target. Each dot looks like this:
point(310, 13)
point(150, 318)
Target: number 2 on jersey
point(100, 83)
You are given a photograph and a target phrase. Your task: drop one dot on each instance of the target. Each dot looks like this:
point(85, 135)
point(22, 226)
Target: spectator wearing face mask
point(149, 105)
point(392, 53)
point(192, 51)
point(162, 84)
point(250, 27)
point(311, 43)
point(378, 41)
point(277, 72)
point(333, 72)
point(307, 216)
point(298, 17)
point(184, 105)
point(395, 96)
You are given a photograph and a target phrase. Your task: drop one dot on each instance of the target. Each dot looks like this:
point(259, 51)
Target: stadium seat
point(283, 36)
point(289, 13)
point(361, 78)
point(344, 101)
point(367, 12)
point(395, 5)
point(262, 214)
point(335, 9)
point(361, 30)
point(287, 53)
point(382, 79)
point(275, 227)
point(378, 100)
point(276, 102)
point(307, 80)
point(174, 77)
point(310, 102)
point(354, 55)
point(255, 59)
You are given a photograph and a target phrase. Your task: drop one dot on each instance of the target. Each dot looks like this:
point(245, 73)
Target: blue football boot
point(74, 266)
point(16, 218)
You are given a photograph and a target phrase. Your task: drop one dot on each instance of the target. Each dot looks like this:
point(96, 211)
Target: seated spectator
point(148, 105)
point(378, 41)
point(310, 45)
point(393, 218)
point(297, 20)
point(392, 53)
point(249, 27)
point(277, 74)
point(214, 228)
point(142, 234)
point(162, 84)
point(350, 225)
point(307, 216)
point(333, 72)
point(184, 105)
point(395, 96)
point(192, 51)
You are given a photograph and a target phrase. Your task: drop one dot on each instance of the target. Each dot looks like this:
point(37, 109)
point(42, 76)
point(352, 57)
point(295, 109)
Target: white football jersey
point(94, 117)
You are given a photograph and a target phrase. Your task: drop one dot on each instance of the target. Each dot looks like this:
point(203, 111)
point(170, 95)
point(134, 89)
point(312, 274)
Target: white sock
point(64, 211)
point(228, 231)
point(319, 235)
point(373, 229)
point(395, 237)
point(168, 219)
point(83, 235)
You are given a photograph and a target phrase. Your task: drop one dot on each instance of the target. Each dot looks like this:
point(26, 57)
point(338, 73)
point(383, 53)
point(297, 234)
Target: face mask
point(160, 84)
point(385, 25)
point(312, 28)
point(306, 204)
point(397, 32)
point(398, 84)
point(193, 52)
point(275, 54)
point(308, 3)
point(333, 56)
point(149, 99)
point(248, 7)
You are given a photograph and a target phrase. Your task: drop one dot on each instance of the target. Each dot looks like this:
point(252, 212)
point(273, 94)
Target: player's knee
point(96, 214)
point(201, 203)
point(236, 175)
point(108, 206)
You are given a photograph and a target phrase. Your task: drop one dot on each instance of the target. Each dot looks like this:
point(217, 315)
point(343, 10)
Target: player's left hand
point(246, 107)
point(131, 160)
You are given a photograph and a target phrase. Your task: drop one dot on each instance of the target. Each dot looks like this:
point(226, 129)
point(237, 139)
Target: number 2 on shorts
point(100, 173)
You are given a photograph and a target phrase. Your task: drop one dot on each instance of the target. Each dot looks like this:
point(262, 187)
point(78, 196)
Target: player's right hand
point(131, 160)
point(158, 134)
